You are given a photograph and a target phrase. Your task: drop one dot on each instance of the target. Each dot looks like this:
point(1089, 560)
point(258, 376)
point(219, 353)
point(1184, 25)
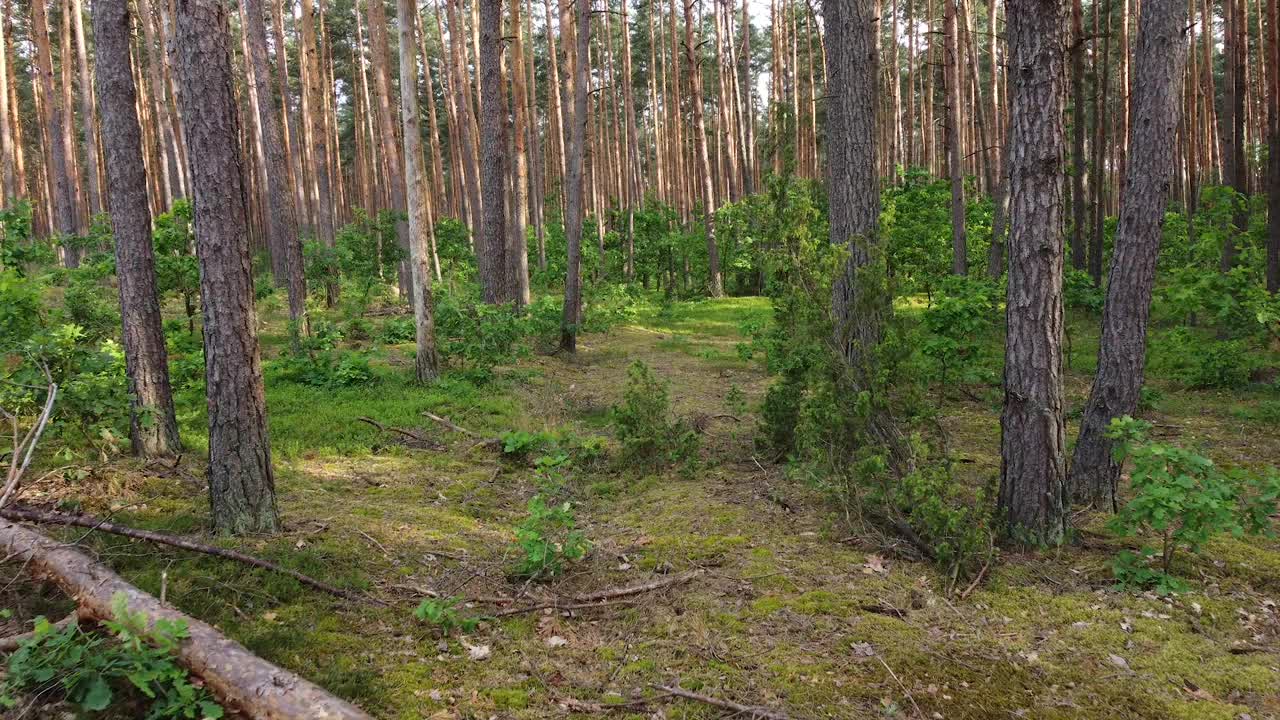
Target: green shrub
point(443, 614)
point(548, 539)
point(1079, 292)
point(1182, 499)
point(91, 306)
point(93, 672)
point(957, 323)
point(1203, 362)
point(323, 369)
point(648, 434)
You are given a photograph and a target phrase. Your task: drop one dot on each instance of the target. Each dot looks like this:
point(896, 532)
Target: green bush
point(957, 322)
point(443, 614)
point(1079, 292)
point(1181, 499)
point(323, 369)
point(1203, 362)
point(649, 435)
point(136, 663)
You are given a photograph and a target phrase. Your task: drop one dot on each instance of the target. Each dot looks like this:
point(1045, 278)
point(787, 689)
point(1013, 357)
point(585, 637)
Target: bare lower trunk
point(1161, 56)
point(492, 236)
point(241, 482)
point(955, 153)
point(1033, 479)
point(54, 117)
point(153, 428)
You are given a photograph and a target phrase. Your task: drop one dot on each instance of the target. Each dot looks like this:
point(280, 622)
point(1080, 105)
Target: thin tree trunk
point(241, 483)
point(518, 250)
point(427, 359)
point(955, 153)
point(282, 220)
point(1100, 125)
point(313, 111)
point(153, 427)
point(576, 131)
point(715, 284)
point(8, 169)
point(1033, 478)
point(1273, 158)
point(1233, 138)
point(54, 117)
point(396, 167)
point(1079, 257)
point(88, 115)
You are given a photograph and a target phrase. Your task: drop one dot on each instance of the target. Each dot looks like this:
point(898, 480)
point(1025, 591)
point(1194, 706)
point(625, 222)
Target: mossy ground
point(788, 613)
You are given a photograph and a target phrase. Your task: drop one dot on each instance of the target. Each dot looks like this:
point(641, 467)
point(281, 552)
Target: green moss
point(509, 698)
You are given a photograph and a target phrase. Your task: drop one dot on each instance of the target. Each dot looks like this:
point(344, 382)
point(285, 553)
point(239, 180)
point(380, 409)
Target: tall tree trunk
point(241, 483)
point(1273, 158)
point(8, 169)
point(427, 359)
point(492, 238)
point(1079, 257)
point(161, 112)
point(282, 218)
point(1234, 58)
point(1161, 56)
point(1033, 478)
point(955, 153)
point(88, 115)
point(576, 132)
point(53, 117)
point(153, 427)
point(715, 283)
point(518, 250)
point(1102, 106)
point(313, 111)
point(396, 168)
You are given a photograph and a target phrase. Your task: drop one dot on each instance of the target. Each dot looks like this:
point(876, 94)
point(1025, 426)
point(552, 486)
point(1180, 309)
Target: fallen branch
point(555, 606)
point(92, 523)
point(13, 642)
point(399, 431)
point(629, 590)
point(239, 679)
point(751, 711)
point(450, 424)
point(492, 443)
point(981, 573)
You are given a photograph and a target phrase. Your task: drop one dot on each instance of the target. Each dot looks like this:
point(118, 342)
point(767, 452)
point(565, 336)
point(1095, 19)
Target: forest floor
point(787, 611)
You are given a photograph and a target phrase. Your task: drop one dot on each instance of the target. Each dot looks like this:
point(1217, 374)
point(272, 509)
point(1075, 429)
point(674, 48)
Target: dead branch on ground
point(751, 711)
point(92, 523)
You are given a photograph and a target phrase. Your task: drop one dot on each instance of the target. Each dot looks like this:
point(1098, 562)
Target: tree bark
point(427, 359)
point(1161, 57)
point(518, 251)
point(1079, 257)
point(576, 130)
point(87, 115)
point(54, 117)
point(1033, 479)
point(8, 169)
point(313, 110)
point(241, 482)
point(492, 236)
point(282, 218)
point(1273, 158)
point(396, 168)
point(236, 677)
point(153, 427)
point(715, 283)
point(955, 153)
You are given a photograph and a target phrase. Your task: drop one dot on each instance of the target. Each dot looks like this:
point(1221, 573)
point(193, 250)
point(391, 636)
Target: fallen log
point(239, 679)
point(92, 523)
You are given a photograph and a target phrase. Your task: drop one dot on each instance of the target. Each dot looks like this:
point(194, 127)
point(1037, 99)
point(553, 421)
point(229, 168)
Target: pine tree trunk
point(1032, 478)
point(715, 284)
point(1273, 158)
point(282, 218)
point(1161, 56)
point(955, 153)
point(318, 148)
point(241, 483)
point(492, 236)
point(427, 359)
point(1233, 139)
point(8, 169)
point(1079, 256)
point(88, 116)
point(518, 250)
point(54, 117)
point(396, 167)
point(575, 142)
point(153, 427)
point(1102, 90)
